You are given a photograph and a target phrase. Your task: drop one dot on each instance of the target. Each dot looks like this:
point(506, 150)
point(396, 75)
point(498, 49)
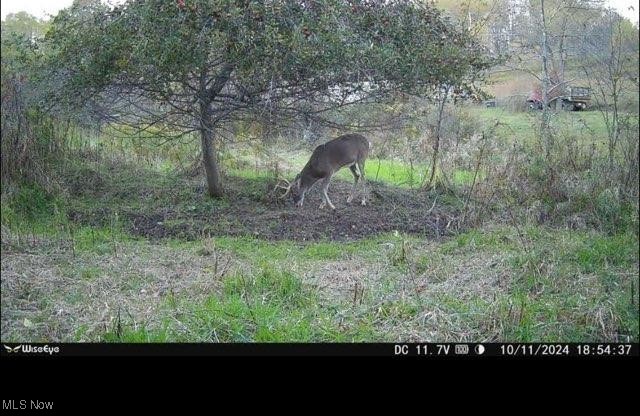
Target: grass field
point(522, 126)
point(485, 285)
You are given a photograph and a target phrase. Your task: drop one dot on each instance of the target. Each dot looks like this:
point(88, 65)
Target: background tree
point(611, 64)
point(24, 24)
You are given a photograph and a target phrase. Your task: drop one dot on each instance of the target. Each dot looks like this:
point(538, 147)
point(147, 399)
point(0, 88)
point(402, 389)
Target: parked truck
point(572, 98)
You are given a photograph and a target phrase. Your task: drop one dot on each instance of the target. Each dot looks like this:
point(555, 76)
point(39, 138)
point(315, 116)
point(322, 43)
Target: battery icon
point(461, 349)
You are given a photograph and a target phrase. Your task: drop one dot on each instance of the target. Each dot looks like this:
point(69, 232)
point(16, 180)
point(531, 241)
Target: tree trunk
point(547, 138)
point(436, 144)
point(209, 157)
point(206, 97)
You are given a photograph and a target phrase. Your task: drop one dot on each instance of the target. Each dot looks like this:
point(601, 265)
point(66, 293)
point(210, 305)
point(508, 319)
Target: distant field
point(519, 125)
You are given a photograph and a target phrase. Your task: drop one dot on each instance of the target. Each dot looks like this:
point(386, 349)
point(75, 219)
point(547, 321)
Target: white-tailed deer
point(348, 150)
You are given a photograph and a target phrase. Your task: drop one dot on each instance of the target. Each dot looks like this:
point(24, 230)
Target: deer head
point(348, 150)
point(291, 188)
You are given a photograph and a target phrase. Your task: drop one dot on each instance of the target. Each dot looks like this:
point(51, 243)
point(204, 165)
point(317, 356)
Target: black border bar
point(417, 350)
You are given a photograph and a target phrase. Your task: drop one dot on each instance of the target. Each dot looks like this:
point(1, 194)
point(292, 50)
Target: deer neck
point(307, 178)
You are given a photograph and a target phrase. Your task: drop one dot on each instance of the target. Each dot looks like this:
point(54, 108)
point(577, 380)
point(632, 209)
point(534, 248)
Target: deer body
point(348, 150)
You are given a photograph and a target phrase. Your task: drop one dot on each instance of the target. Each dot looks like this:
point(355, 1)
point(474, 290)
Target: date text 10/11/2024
point(559, 349)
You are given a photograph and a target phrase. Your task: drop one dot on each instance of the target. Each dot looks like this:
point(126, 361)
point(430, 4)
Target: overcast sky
point(41, 8)
point(38, 8)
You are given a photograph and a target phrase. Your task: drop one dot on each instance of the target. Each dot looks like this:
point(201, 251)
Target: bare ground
point(260, 213)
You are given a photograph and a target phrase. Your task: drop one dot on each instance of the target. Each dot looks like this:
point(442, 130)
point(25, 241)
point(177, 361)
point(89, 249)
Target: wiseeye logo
point(32, 349)
point(14, 349)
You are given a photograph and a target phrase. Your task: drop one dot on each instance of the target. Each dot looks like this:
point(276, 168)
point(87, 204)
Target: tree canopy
point(193, 65)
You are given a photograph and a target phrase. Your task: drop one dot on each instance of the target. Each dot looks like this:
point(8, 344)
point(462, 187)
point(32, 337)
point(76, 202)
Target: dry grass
point(53, 294)
point(486, 285)
point(411, 302)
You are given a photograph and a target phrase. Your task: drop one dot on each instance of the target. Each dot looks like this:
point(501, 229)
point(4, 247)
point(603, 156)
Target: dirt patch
point(178, 207)
point(251, 209)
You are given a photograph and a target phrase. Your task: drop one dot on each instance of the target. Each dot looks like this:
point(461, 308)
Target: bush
point(28, 202)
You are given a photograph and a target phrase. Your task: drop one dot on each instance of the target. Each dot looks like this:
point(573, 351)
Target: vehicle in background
point(570, 99)
point(490, 103)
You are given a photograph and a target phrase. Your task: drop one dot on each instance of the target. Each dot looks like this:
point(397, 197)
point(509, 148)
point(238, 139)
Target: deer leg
point(325, 197)
point(301, 201)
point(356, 177)
point(360, 166)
